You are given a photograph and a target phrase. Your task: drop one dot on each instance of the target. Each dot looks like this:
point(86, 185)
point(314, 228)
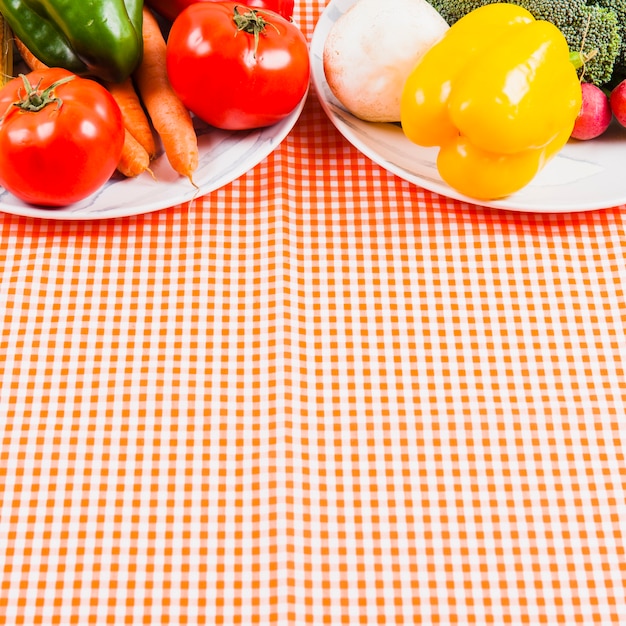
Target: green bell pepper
point(100, 38)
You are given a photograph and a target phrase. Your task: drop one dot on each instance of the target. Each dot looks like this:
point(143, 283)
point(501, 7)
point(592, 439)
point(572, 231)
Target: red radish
point(595, 113)
point(618, 102)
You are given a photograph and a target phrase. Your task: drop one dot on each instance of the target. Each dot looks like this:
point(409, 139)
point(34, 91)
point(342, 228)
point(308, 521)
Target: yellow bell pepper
point(498, 95)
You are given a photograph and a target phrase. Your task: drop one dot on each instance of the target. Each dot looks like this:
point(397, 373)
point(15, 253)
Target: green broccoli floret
point(619, 8)
point(596, 28)
point(587, 28)
point(563, 11)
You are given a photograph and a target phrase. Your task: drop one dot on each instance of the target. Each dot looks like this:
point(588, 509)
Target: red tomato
point(170, 9)
point(65, 150)
point(229, 77)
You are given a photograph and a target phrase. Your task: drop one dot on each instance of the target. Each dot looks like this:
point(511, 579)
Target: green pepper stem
point(579, 59)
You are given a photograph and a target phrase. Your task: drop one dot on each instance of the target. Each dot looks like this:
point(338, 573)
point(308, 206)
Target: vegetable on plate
point(139, 145)
point(168, 114)
point(594, 28)
point(595, 113)
point(235, 67)
point(371, 49)
point(134, 115)
point(100, 38)
point(170, 9)
point(498, 95)
point(617, 102)
point(61, 137)
point(27, 56)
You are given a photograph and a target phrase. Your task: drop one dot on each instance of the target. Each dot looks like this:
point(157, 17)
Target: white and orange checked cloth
point(319, 395)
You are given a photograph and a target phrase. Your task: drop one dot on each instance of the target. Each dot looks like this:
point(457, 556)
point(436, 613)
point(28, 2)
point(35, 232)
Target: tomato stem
point(35, 99)
point(252, 23)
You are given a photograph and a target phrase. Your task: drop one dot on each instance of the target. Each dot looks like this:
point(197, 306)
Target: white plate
point(583, 176)
point(224, 157)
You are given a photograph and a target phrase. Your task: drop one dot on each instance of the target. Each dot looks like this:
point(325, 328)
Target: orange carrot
point(135, 118)
point(169, 116)
point(135, 159)
point(27, 56)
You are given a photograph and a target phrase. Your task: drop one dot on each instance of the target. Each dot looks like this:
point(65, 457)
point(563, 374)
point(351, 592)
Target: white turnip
point(371, 49)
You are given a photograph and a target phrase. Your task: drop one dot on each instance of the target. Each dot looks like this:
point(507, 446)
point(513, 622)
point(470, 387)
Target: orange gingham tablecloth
point(319, 395)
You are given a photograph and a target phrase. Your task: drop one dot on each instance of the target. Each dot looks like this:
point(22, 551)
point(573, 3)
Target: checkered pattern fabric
point(318, 395)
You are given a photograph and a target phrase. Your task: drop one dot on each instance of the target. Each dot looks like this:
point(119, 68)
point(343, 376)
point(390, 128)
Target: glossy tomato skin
point(170, 9)
point(225, 80)
point(64, 152)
